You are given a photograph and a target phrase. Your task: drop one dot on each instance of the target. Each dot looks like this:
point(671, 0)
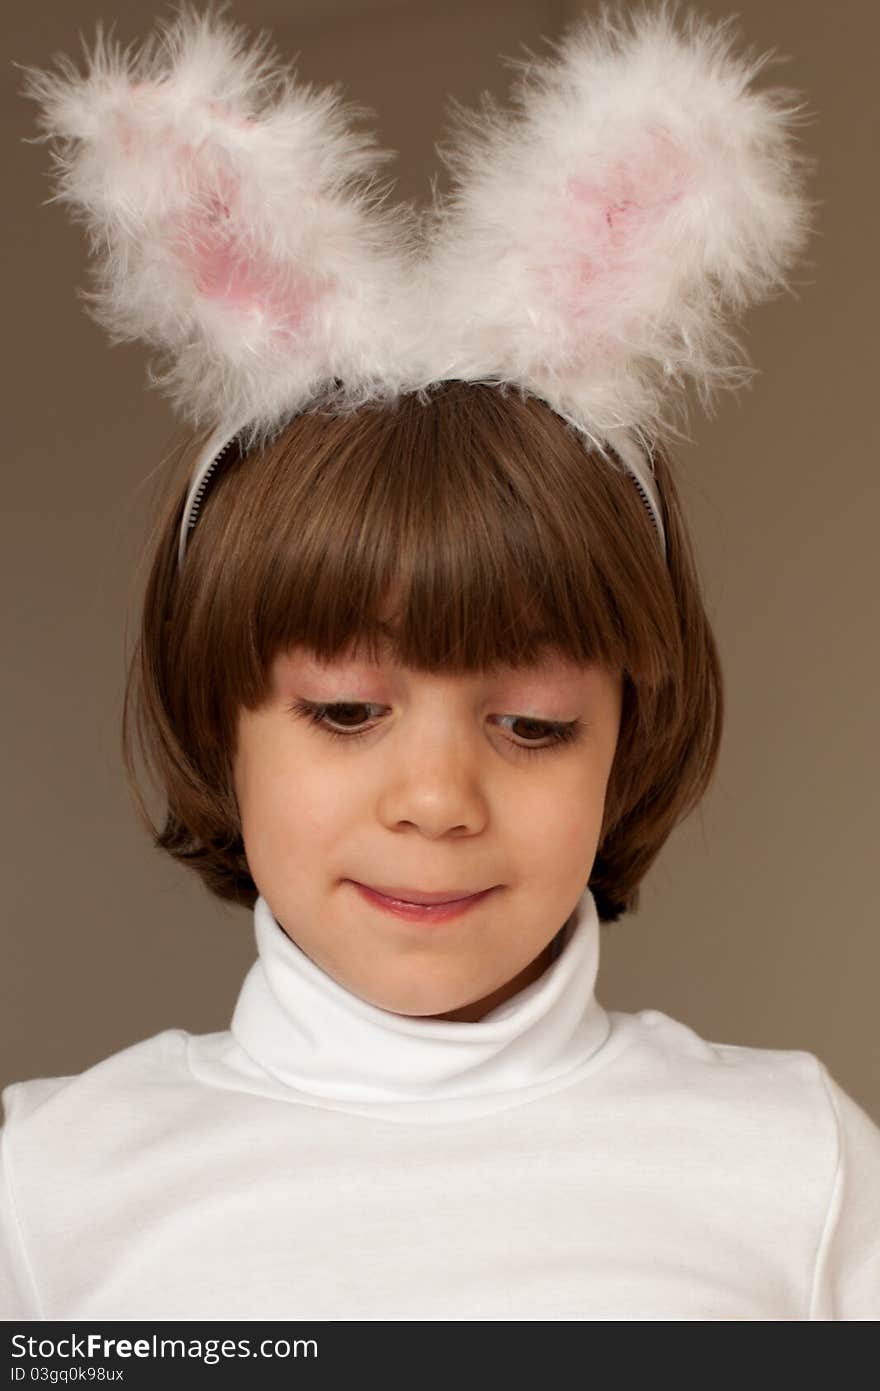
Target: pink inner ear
point(208, 244)
point(606, 218)
point(634, 191)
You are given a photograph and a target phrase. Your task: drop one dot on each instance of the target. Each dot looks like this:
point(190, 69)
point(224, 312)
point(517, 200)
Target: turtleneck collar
point(309, 1033)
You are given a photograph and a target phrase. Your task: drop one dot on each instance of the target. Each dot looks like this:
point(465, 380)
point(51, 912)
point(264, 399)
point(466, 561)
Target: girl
point(426, 679)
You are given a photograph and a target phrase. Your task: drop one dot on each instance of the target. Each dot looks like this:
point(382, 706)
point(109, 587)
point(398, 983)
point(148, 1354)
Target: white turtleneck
point(327, 1159)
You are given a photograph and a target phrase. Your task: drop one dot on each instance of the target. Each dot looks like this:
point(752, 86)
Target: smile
point(437, 908)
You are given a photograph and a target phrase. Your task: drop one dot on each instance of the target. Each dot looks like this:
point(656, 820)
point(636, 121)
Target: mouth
point(427, 907)
point(418, 896)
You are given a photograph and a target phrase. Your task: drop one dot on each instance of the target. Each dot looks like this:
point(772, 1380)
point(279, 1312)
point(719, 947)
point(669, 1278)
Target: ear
point(595, 238)
point(233, 217)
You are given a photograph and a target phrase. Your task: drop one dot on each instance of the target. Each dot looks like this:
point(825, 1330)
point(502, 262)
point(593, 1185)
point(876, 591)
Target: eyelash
point(315, 713)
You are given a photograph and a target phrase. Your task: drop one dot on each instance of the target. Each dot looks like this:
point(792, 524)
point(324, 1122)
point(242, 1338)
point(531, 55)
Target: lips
point(423, 914)
point(405, 895)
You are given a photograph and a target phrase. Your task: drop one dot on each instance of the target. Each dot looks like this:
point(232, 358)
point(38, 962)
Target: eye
point(316, 714)
point(557, 732)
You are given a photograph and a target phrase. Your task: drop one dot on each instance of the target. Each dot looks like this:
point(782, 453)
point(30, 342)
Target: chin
point(418, 1007)
point(443, 1008)
point(419, 1010)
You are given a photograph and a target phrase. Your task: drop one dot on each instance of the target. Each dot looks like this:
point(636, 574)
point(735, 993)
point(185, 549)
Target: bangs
point(462, 531)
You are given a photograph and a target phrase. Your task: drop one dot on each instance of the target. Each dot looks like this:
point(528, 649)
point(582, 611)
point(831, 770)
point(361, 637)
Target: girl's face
point(432, 783)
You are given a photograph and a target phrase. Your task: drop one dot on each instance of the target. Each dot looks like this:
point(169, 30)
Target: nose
point(435, 781)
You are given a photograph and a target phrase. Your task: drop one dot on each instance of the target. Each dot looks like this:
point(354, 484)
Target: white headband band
point(221, 443)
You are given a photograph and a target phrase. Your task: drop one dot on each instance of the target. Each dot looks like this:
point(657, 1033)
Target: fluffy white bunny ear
point(234, 219)
point(595, 237)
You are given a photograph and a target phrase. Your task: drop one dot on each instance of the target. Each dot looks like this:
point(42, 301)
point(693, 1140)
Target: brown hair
point(502, 535)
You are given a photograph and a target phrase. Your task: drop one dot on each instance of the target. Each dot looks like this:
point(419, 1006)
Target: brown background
point(759, 924)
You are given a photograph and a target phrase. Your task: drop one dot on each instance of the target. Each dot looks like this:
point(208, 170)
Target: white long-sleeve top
point(327, 1159)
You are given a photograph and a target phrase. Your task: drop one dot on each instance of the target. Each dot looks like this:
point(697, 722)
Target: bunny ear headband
point(593, 240)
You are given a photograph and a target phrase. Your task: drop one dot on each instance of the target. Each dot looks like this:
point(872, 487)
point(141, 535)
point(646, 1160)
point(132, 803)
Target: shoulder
point(772, 1122)
point(770, 1133)
point(678, 1049)
point(65, 1139)
point(802, 1077)
point(780, 1101)
point(112, 1092)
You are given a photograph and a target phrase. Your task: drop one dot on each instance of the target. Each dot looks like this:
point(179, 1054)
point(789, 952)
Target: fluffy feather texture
point(594, 244)
point(595, 237)
point(234, 218)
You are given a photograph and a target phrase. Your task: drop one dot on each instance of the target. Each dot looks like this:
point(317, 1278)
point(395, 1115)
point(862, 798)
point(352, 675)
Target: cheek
point(286, 799)
point(559, 821)
point(289, 829)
